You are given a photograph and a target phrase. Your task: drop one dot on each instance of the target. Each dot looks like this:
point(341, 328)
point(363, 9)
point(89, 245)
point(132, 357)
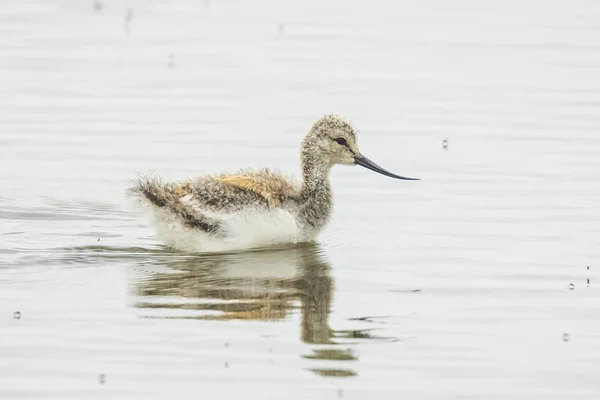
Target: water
point(469, 284)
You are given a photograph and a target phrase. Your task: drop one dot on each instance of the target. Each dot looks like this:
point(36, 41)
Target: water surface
point(469, 284)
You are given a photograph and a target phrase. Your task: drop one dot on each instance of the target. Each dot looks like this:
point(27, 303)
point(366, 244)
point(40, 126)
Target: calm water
point(470, 284)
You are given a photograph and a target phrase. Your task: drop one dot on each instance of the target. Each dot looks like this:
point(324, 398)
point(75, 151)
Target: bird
point(253, 208)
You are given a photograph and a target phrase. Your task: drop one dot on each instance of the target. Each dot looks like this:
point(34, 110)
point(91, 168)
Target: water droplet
point(226, 364)
point(280, 29)
point(588, 279)
point(571, 286)
point(566, 337)
point(171, 63)
point(102, 379)
point(270, 350)
point(226, 344)
point(17, 315)
point(98, 5)
point(445, 144)
point(340, 393)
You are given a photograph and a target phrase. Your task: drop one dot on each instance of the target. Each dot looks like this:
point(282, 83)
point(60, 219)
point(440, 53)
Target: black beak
point(365, 162)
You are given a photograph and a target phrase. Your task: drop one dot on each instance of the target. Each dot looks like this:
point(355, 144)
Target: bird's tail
point(166, 197)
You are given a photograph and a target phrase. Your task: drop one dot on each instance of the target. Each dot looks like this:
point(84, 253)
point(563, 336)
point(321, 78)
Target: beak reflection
point(365, 162)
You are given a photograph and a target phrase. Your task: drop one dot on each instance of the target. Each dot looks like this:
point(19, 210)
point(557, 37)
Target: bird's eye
point(341, 141)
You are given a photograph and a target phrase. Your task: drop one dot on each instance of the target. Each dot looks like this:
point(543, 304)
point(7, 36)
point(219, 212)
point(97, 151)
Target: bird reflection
point(261, 285)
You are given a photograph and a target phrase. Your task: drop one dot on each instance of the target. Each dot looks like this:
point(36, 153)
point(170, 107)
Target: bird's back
point(271, 186)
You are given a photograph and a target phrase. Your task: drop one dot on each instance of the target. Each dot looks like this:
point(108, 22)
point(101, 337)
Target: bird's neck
point(315, 198)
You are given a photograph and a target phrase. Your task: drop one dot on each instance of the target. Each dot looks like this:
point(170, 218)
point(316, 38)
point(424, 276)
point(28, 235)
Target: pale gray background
point(502, 223)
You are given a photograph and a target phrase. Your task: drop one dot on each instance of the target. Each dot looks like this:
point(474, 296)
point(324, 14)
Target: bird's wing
point(272, 186)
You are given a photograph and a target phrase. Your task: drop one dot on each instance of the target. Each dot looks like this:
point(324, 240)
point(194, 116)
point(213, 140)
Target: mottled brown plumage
point(274, 187)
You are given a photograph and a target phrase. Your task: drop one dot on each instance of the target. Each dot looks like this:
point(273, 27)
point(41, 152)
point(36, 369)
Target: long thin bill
point(365, 162)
